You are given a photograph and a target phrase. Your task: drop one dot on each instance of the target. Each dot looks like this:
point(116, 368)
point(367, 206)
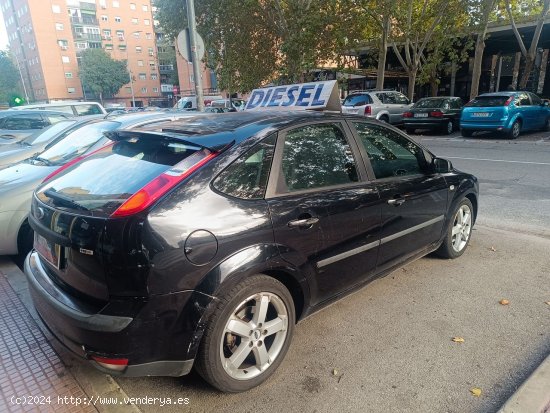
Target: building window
point(136, 34)
point(118, 19)
point(132, 6)
point(156, 90)
point(65, 59)
point(69, 75)
point(140, 63)
point(59, 26)
point(81, 45)
point(146, 22)
point(103, 4)
point(145, 7)
point(116, 3)
point(108, 47)
point(138, 49)
point(143, 90)
point(150, 50)
point(135, 21)
point(104, 18)
point(120, 34)
point(122, 47)
point(154, 76)
point(56, 9)
point(71, 89)
point(148, 36)
point(151, 63)
point(107, 34)
point(143, 76)
point(64, 44)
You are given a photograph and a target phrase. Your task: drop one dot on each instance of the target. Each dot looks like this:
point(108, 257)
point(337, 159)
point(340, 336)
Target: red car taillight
point(368, 110)
point(407, 114)
point(436, 114)
point(71, 163)
point(161, 185)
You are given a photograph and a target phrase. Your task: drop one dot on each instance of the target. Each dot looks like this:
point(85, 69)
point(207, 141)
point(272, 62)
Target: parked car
point(385, 105)
point(71, 108)
point(440, 113)
point(232, 228)
point(509, 113)
point(236, 104)
point(17, 125)
point(18, 181)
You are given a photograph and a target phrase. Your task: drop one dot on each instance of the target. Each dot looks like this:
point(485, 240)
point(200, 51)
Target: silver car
point(18, 181)
point(16, 125)
point(385, 105)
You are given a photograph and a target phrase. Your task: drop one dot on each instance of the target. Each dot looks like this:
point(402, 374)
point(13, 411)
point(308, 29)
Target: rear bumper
point(156, 334)
point(485, 126)
point(425, 123)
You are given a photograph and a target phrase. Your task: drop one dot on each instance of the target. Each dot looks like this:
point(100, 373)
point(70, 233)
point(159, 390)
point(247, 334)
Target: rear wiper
point(53, 194)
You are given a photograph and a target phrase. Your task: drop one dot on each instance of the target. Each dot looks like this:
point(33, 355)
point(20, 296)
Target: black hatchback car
point(440, 113)
point(205, 243)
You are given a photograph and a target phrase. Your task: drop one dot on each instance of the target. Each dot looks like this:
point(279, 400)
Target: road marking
point(497, 160)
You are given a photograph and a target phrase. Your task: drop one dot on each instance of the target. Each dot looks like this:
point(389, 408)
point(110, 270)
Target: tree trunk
point(101, 98)
point(542, 73)
point(412, 83)
point(480, 47)
point(494, 61)
point(382, 51)
point(453, 78)
point(434, 87)
point(529, 61)
point(515, 71)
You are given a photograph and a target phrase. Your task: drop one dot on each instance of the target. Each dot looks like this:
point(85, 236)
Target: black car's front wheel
point(459, 231)
point(248, 334)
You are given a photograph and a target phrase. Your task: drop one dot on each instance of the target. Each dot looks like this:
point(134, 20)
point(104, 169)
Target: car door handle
point(396, 201)
point(307, 222)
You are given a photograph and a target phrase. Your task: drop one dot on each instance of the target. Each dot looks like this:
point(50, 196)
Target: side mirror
point(442, 166)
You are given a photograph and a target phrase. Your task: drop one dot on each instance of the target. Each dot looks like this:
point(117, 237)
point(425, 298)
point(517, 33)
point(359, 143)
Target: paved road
point(390, 343)
point(514, 177)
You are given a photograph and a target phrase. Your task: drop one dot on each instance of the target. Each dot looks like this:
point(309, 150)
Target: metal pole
point(22, 81)
point(498, 74)
point(196, 63)
point(132, 88)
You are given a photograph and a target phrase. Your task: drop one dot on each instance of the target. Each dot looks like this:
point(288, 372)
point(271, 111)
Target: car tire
point(384, 119)
point(234, 332)
point(466, 133)
point(515, 130)
point(25, 240)
point(410, 131)
point(448, 127)
point(459, 231)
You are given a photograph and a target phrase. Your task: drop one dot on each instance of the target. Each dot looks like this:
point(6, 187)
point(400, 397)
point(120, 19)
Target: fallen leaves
point(547, 302)
point(493, 249)
point(476, 391)
point(504, 301)
point(334, 372)
point(458, 339)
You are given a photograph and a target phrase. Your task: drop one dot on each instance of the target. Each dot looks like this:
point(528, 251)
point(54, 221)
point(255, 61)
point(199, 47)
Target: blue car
point(509, 113)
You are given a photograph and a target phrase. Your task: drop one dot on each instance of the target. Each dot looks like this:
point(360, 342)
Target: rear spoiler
point(202, 141)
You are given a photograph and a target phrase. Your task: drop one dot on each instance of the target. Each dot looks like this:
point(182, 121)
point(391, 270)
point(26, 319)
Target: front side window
point(390, 153)
point(401, 99)
point(246, 178)
point(523, 100)
point(84, 110)
point(317, 156)
point(535, 99)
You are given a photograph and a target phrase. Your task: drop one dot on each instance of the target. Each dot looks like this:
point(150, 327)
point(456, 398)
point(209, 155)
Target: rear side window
point(65, 109)
point(357, 100)
point(246, 178)
point(488, 101)
point(83, 110)
point(100, 183)
point(24, 122)
point(317, 156)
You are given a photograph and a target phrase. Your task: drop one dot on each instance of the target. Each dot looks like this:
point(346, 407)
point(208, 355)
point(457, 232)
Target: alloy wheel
point(462, 227)
point(450, 127)
point(515, 130)
point(254, 335)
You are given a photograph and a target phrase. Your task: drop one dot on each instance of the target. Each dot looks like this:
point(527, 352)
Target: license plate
point(481, 114)
point(48, 250)
point(420, 115)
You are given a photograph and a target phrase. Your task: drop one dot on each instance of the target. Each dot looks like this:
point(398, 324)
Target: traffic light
point(17, 101)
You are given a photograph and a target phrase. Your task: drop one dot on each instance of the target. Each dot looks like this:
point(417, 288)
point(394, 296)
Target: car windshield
point(356, 100)
point(488, 101)
point(429, 103)
point(77, 142)
point(45, 135)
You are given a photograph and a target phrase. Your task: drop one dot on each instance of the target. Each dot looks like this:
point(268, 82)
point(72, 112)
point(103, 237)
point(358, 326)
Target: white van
point(72, 108)
point(190, 102)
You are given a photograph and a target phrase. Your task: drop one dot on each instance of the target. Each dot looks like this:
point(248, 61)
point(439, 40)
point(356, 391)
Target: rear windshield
point(488, 101)
point(75, 143)
point(100, 183)
point(357, 100)
point(45, 135)
point(429, 103)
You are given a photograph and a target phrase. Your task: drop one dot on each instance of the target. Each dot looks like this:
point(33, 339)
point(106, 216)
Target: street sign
point(184, 45)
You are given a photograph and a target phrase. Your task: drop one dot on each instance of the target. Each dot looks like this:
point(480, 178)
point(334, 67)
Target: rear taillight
point(408, 115)
point(159, 186)
point(436, 114)
point(111, 363)
point(368, 110)
point(71, 163)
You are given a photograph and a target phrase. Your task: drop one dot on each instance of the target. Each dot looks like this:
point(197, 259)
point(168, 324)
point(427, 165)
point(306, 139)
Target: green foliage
point(101, 74)
point(9, 81)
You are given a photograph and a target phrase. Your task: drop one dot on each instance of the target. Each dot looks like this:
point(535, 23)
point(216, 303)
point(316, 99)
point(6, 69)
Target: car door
point(413, 199)
point(526, 111)
point(540, 112)
point(402, 104)
point(325, 215)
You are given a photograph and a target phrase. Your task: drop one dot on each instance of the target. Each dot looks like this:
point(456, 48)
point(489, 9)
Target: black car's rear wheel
point(248, 335)
point(448, 127)
point(459, 231)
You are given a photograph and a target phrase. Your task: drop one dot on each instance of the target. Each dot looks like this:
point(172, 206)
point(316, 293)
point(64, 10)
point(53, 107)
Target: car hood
point(23, 174)
point(15, 153)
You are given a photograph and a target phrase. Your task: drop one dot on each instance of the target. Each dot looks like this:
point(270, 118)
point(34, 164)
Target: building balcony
point(87, 36)
point(87, 20)
point(166, 68)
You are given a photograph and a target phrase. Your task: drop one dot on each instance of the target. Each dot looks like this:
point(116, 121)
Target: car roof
point(218, 130)
point(503, 93)
point(10, 112)
point(439, 97)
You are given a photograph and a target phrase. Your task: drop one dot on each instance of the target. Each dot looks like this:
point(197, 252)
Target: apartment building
point(47, 36)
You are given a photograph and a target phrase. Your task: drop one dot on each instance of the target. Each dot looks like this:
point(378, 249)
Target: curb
point(533, 396)
point(95, 384)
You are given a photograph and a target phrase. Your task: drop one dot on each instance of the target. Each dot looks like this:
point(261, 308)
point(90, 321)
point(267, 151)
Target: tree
point(528, 55)
point(9, 81)
point(483, 10)
point(102, 74)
